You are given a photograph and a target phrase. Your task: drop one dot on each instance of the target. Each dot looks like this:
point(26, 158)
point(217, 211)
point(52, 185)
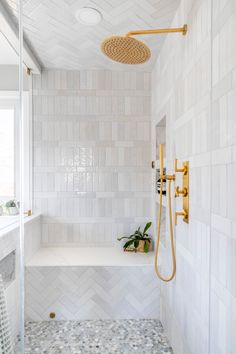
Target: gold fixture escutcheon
point(184, 191)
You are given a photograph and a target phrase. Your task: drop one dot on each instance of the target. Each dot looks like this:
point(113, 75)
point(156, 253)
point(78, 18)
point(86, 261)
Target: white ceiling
point(7, 54)
point(59, 41)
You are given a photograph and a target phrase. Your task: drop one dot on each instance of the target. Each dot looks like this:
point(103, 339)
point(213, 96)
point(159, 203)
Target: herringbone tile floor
point(96, 337)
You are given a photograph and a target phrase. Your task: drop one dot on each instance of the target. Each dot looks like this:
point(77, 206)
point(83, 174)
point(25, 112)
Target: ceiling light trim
point(88, 16)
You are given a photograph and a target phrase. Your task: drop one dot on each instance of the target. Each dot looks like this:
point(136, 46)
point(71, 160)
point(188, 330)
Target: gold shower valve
point(182, 213)
point(184, 168)
point(179, 191)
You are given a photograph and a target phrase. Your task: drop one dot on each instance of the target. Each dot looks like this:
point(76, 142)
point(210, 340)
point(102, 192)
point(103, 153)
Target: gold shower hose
point(171, 235)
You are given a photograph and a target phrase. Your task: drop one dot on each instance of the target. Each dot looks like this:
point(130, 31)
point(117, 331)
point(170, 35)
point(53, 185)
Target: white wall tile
point(231, 191)
point(219, 188)
point(92, 149)
point(193, 84)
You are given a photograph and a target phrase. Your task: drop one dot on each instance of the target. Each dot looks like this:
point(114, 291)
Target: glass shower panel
point(11, 310)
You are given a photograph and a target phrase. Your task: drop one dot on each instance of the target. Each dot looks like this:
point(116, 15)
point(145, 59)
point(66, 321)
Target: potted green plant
point(12, 208)
point(139, 241)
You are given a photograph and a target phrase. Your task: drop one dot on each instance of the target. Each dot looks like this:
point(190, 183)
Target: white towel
point(5, 333)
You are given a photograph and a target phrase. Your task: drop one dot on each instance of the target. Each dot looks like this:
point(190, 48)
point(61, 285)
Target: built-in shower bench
point(90, 283)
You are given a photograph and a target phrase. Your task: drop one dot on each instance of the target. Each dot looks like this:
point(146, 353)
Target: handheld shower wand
point(184, 193)
point(169, 179)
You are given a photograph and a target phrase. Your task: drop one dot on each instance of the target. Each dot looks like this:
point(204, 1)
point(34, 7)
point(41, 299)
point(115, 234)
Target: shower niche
point(160, 138)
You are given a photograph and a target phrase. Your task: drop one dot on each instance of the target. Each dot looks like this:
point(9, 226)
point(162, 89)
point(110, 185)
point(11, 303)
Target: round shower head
point(126, 50)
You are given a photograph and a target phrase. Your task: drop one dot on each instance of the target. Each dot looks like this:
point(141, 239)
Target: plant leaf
point(128, 243)
point(145, 247)
point(136, 243)
point(132, 236)
point(138, 232)
point(137, 237)
point(148, 225)
point(121, 238)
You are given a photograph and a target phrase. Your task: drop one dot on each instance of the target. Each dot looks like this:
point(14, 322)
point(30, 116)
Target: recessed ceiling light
point(88, 16)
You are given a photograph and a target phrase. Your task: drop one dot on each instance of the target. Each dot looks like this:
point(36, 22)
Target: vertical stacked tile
point(92, 177)
point(223, 220)
point(195, 89)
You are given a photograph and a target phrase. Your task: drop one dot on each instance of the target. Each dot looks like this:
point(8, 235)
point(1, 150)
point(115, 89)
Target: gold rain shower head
point(128, 50)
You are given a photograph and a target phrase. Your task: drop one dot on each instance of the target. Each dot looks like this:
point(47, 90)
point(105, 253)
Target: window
point(7, 152)
point(10, 146)
point(8, 149)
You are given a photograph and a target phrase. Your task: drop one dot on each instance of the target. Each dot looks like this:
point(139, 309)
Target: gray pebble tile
point(96, 337)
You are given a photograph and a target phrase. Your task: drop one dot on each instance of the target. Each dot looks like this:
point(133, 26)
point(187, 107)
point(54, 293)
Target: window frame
point(9, 99)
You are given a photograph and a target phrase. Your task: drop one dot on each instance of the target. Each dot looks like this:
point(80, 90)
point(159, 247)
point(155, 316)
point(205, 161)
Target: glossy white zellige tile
point(231, 132)
point(92, 127)
point(231, 191)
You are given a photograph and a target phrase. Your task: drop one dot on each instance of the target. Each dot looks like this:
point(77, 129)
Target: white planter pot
point(13, 210)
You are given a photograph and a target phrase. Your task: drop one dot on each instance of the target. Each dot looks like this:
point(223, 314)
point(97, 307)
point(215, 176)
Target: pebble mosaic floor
point(96, 337)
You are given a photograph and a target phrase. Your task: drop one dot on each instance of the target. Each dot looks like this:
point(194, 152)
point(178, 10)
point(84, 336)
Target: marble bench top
point(89, 256)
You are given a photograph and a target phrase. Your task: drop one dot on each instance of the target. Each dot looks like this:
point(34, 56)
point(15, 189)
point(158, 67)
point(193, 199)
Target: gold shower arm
point(159, 31)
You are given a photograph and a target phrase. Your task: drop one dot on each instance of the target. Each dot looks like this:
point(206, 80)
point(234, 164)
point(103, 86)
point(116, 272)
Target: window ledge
point(10, 223)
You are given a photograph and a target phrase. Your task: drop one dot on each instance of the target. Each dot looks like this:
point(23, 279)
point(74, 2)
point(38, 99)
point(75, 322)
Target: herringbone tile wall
point(78, 293)
point(92, 173)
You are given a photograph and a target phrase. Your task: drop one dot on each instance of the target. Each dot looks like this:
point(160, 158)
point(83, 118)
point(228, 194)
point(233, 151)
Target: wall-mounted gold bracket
point(184, 192)
point(28, 212)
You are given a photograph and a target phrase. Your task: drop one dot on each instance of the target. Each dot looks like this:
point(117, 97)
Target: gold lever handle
point(180, 213)
point(184, 169)
point(179, 191)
